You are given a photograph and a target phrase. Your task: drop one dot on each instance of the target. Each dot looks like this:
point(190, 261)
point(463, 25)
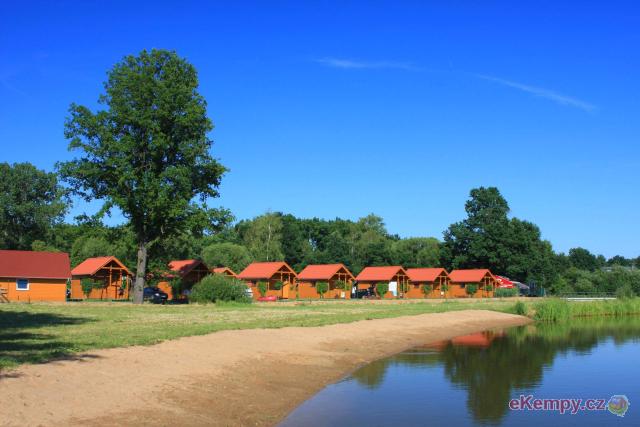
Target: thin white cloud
point(355, 64)
point(556, 97)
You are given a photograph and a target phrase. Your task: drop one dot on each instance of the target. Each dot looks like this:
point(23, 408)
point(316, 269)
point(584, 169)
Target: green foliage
point(219, 288)
point(625, 291)
point(416, 252)
point(489, 288)
point(147, 153)
point(31, 204)
point(322, 288)
point(263, 238)
point(177, 286)
point(582, 259)
point(382, 288)
point(262, 287)
point(342, 285)
point(88, 285)
point(278, 285)
point(426, 289)
point(552, 310)
point(520, 308)
point(471, 289)
point(226, 254)
point(506, 292)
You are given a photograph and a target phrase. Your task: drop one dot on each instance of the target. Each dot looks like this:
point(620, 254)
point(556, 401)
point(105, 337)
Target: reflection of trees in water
point(513, 361)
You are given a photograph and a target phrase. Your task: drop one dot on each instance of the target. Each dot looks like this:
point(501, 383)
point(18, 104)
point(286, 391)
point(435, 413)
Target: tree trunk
point(141, 272)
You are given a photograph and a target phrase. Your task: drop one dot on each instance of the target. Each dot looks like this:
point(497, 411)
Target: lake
point(470, 380)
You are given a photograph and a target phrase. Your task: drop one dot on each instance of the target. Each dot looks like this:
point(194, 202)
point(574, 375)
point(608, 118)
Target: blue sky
point(339, 109)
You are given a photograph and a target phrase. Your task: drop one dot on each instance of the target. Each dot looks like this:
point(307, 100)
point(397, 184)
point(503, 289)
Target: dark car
point(155, 295)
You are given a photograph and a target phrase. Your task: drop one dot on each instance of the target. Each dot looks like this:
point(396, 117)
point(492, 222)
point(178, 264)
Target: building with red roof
point(111, 278)
point(225, 271)
point(34, 276)
point(337, 276)
point(482, 278)
point(279, 278)
point(395, 276)
point(427, 283)
point(188, 272)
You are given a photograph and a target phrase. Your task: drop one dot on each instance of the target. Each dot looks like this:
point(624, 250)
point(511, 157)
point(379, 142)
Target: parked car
point(155, 295)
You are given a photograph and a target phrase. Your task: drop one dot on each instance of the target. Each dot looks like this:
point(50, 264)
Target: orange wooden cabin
point(29, 276)
point(431, 279)
point(482, 278)
point(395, 276)
point(189, 271)
point(224, 270)
point(328, 273)
point(274, 274)
point(113, 276)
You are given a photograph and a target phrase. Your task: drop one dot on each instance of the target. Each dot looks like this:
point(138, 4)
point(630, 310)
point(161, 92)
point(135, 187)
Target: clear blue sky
point(346, 108)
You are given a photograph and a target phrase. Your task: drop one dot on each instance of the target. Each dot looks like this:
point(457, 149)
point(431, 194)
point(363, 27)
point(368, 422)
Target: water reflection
point(484, 371)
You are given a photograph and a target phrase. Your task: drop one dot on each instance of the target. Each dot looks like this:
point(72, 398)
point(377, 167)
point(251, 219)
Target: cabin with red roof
point(395, 276)
point(332, 274)
point(427, 283)
point(112, 276)
point(28, 276)
point(189, 271)
point(279, 277)
point(225, 271)
point(482, 278)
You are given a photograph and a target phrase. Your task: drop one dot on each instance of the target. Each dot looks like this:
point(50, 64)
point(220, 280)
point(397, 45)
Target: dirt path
point(247, 377)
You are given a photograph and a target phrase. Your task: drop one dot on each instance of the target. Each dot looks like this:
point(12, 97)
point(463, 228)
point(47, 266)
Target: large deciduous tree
point(147, 152)
point(31, 203)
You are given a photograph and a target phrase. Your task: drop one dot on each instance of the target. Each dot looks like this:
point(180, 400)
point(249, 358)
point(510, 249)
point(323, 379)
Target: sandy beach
point(247, 377)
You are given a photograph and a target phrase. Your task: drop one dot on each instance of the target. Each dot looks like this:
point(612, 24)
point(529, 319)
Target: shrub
point(489, 288)
point(176, 287)
point(88, 285)
point(444, 288)
point(217, 288)
point(520, 308)
point(625, 292)
point(471, 289)
point(506, 292)
point(262, 287)
point(278, 285)
point(322, 288)
point(342, 285)
point(382, 288)
point(426, 289)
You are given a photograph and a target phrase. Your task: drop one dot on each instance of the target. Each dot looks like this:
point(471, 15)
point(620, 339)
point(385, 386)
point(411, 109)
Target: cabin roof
point(264, 270)
point(224, 270)
point(184, 266)
point(322, 271)
point(424, 274)
point(472, 275)
point(34, 265)
point(370, 274)
point(90, 266)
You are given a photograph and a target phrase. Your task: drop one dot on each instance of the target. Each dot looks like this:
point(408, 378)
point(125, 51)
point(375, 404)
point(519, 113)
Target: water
point(469, 381)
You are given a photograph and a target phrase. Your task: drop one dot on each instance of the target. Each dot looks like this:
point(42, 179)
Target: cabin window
point(22, 285)
point(463, 285)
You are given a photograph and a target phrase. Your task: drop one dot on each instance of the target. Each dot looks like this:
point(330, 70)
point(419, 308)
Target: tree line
point(146, 153)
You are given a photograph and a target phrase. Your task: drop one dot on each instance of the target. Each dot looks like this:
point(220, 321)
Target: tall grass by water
point(554, 309)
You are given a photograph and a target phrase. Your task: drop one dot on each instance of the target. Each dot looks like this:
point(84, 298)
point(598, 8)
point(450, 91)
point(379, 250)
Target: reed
point(554, 309)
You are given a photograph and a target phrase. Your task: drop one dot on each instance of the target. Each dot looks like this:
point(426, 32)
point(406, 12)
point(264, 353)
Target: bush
point(471, 289)
point(382, 288)
point(625, 292)
point(506, 292)
point(520, 308)
point(489, 288)
point(342, 285)
point(217, 288)
point(88, 285)
point(426, 289)
point(262, 287)
point(322, 288)
point(278, 285)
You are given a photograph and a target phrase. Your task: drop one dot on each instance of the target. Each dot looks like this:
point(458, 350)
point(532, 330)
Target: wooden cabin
point(279, 277)
point(112, 277)
point(225, 271)
point(28, 276)
point(484, 281)
point(427, 283)
point(395, 276)
point(332, 274)
point(189, 271)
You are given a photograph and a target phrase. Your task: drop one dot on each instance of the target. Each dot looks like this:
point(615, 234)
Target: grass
point(34, 333)
point(555, 310)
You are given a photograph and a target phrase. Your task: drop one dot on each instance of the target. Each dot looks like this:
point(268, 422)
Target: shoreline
point(234, 377)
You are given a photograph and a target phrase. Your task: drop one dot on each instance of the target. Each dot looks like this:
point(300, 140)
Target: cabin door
point(285, 290)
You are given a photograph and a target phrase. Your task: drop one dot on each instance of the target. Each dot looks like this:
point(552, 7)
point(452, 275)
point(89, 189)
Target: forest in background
point(33, 205)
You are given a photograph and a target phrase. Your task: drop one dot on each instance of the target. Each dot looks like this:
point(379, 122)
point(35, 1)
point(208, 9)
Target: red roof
point(424, 274)
point(34, 265)
point(473, 275)
point(370, 274)
point(184, 266)
point(504, 282)
point(224, 270)
point(322, 271)
point(263, 270)
point(90, 266)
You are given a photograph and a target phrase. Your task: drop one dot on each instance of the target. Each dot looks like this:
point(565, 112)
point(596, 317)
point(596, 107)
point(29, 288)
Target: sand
point(247, 377)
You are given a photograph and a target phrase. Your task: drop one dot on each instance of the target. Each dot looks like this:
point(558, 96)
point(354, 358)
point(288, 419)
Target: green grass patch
point(555, 309)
